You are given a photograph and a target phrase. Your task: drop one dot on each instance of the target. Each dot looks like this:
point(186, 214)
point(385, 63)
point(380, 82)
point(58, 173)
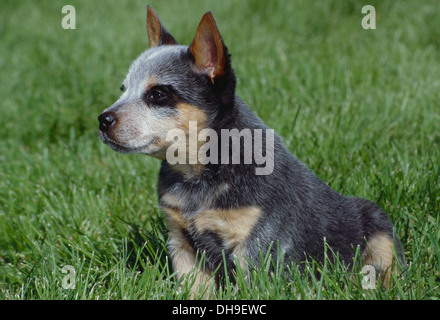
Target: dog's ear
point(208, 48)
point(157, 34)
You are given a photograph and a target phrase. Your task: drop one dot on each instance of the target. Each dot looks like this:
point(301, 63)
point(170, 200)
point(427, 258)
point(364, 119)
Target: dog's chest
point(227, 227)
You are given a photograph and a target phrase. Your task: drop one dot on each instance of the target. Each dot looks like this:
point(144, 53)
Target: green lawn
point(359, 107)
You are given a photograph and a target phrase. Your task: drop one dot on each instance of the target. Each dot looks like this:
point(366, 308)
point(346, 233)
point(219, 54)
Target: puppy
point(228, 187)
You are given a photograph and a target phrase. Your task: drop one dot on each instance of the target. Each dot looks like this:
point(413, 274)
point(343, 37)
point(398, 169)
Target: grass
point(359, 107)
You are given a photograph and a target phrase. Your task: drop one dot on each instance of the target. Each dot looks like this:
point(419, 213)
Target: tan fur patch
point(183, 255)
point(174, 218)
point(189, 113)
point(184, 262)
point(380, 252)
point(240, 254)
point(233, 225)
point(150, 82)
point(171, 200)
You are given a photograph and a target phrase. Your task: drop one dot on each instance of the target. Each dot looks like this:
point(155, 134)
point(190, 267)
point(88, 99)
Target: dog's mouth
point(123, 148)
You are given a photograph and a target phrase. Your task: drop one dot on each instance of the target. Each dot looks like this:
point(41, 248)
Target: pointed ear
point(208, 48)
point(157, 34)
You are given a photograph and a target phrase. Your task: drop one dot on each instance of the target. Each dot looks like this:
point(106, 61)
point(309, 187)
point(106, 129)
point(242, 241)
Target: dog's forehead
point(164, 64)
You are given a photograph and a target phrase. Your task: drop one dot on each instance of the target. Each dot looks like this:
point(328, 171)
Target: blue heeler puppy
point(222, 211)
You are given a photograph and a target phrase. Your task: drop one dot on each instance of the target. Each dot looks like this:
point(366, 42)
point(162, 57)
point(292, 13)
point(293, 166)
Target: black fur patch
point(160, 96)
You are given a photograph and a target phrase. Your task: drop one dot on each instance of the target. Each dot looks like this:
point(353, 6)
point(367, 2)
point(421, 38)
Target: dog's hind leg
point(379, 253)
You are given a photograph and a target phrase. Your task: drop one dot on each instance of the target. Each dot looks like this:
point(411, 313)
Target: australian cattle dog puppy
point(228, 186)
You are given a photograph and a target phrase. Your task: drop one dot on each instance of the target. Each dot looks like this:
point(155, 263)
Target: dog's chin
point(147, 148)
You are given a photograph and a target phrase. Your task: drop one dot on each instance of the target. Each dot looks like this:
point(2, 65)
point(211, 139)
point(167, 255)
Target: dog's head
point(168, 86)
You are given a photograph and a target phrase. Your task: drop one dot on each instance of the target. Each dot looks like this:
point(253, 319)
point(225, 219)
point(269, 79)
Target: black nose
point(106, 120)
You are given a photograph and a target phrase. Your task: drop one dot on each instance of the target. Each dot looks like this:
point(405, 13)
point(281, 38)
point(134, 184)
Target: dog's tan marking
point(184, 261)
point(232, 225)
point(150, 82)
point(380, 253)
point(186, 114)
point(183, 255)
point(239, 253)
point(174, 218)
point(171, 200)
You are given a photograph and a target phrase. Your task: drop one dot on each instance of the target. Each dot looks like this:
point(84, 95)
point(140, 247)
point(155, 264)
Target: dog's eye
point(122, 88)
point(157, 95)
point(161, 95)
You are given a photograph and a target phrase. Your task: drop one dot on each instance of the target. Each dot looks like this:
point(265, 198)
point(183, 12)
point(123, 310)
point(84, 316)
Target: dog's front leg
point(187, 263)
